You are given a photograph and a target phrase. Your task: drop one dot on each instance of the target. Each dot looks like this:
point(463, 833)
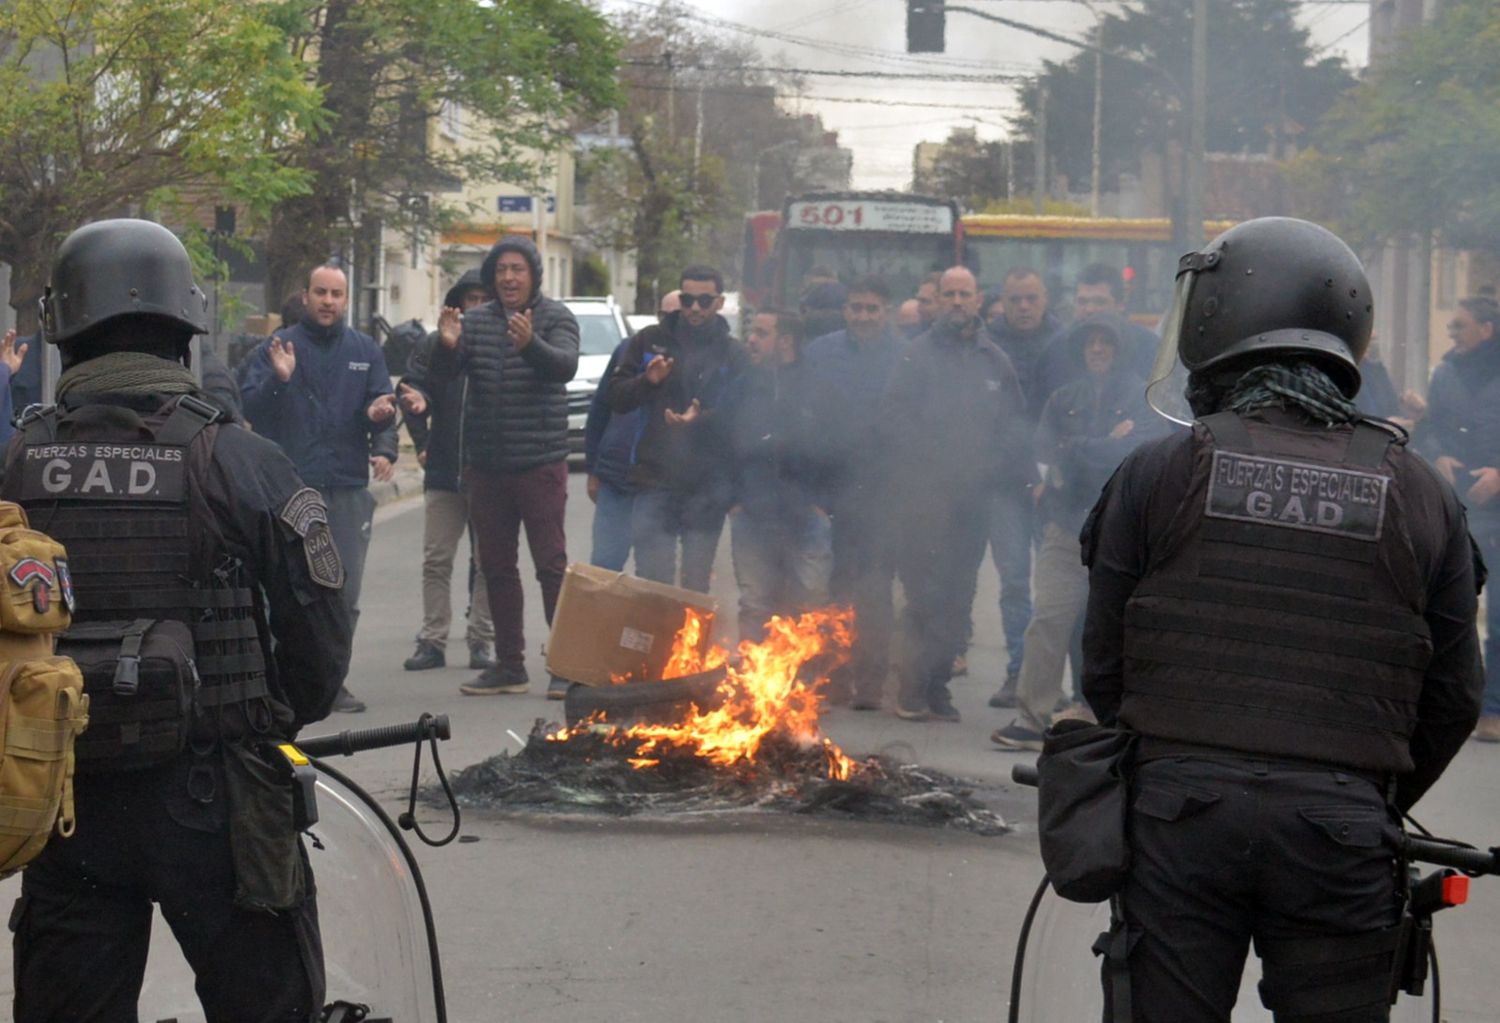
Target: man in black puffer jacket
point(515, 355)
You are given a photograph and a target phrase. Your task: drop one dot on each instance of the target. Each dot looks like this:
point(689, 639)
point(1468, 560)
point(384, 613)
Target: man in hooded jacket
point(431, 413)
point(515, 355)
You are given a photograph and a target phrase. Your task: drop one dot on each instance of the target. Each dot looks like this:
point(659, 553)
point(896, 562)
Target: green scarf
point(127, 373)
point(1301, 385)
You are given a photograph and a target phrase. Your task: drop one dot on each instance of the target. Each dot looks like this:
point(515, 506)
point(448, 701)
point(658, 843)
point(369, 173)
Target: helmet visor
point(1167, 391)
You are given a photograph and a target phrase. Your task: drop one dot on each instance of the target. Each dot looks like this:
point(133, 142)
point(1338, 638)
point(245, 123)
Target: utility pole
point(1192, 204)
point(1040, 152)
point(1098, 116)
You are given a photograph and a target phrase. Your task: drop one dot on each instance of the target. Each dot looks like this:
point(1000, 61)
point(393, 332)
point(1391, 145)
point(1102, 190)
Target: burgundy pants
point(499, 503)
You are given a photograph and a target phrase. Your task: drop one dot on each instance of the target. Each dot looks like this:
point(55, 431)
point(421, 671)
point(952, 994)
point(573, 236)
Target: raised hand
point(10, 354)
point(450, 326)
point(519, 325)
point(412, 400)
point(382, 408)
point(283, 359)
point(658, 369)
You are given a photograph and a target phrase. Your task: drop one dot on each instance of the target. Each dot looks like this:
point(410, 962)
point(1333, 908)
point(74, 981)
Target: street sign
point(514, 203)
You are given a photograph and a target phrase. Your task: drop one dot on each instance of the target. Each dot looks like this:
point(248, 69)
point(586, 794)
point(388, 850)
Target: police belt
point(1152, 747)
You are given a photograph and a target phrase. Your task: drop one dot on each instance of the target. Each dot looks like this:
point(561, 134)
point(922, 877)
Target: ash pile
point(597, 770)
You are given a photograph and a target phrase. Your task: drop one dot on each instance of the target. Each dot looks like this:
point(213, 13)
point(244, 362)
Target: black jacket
point(515, 403)
point(955, 423)
point(1463, 421)
point(706, 363)
point(775, 435)
point(1073, 440)
point(1025, 350)
point(435, 431)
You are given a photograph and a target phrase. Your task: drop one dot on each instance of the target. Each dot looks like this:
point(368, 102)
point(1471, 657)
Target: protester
point(851, 370)
point(909, 318)
point(955, 426)
point(1085, 431)
point(1099, 291)
point(1460, 435)
point(514, 356)
point(433, 417)
point(320, 389)
point(780, 534)
point(12, 357)
point(678, 373)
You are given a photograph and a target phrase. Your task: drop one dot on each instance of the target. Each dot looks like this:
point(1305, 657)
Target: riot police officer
point(1282, 604)
point(179, 522)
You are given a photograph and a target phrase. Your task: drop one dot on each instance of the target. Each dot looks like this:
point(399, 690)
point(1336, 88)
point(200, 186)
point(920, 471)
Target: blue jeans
point(1012, 524)
point(782, 565)
point(612, 528)
point(661, 517)
point(1489, 546)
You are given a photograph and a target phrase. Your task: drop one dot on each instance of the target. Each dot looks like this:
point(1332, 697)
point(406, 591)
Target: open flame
point(765, 693)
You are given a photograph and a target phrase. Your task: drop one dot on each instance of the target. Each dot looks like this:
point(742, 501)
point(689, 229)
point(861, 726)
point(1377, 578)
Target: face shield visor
point(1167, 390)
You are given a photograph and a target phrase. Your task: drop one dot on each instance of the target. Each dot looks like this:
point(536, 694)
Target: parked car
point(601, 328)
point(640, 321)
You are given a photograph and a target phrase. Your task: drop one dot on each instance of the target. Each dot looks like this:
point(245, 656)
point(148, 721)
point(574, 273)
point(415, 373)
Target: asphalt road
point(736, 917)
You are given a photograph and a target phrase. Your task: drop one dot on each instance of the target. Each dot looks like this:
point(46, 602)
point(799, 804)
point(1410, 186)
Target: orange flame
point(764, 693)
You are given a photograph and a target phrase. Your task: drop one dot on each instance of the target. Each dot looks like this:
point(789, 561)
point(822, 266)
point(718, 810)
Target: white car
point(601, 328)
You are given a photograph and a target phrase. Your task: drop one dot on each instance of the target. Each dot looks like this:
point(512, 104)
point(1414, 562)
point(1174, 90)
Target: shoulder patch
point(307, 516)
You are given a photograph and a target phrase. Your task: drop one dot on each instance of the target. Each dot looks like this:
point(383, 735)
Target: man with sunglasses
point(679, 372)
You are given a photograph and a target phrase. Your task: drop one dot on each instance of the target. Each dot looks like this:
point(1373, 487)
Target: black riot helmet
point(114, 268)
point(1263, 290)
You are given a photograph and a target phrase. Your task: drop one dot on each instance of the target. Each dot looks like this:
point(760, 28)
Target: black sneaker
point(557, 688)
point(1017, 736)
point(428, 655)
point(347, 703)
point(940, 707)
point(1006, 697)
point(480, 656)
point(497, 680)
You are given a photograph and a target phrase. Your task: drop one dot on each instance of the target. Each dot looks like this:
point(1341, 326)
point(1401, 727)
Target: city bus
point(1060, 247)
point(899, 237)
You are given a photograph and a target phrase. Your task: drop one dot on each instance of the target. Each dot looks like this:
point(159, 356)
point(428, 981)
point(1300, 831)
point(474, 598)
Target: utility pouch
point(42, 710)
point(141, 680)
point(1082, 799)
point(269, 872)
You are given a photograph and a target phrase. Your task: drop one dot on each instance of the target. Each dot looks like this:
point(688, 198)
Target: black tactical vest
point(117, 489)
point(1282, 615)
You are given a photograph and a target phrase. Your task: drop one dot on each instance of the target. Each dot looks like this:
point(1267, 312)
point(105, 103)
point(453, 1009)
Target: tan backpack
point(42, 703)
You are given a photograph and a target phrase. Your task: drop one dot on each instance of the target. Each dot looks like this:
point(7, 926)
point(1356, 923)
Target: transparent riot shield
point(378, 941)
point(1060, 978)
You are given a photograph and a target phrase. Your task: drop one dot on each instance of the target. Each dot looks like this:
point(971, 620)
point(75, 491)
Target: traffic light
point(924, 26)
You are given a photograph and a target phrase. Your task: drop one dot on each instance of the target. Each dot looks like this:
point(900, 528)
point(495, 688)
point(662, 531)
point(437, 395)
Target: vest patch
point(1296, 495)
point(307, 516)
point(103, 472)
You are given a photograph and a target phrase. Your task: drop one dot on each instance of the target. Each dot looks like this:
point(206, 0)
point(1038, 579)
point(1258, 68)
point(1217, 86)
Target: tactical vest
point(1282, 615)
point(117, 489)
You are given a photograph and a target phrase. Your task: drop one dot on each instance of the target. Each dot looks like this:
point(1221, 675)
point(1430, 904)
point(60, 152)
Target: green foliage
point(104, 103)
point(1414, 148)
point(1265, 85)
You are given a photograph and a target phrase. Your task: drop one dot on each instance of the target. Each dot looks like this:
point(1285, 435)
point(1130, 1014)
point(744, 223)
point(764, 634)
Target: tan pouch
point(37, 586)
point(42, 709)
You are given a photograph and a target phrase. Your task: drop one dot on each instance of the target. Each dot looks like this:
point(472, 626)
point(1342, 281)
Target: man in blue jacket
point(320, 390)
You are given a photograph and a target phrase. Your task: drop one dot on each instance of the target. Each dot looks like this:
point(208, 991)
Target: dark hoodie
point(1073, 438)
point(436, 430)
point(706, 362)
point(515, 403)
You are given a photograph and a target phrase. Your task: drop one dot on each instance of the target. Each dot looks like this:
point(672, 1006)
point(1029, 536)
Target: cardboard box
point(609, 623)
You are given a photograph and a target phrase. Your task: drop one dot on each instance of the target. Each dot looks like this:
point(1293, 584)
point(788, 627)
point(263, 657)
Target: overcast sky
point(893, 115)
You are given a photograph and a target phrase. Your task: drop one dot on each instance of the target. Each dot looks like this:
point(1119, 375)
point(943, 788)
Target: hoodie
point(514, 412)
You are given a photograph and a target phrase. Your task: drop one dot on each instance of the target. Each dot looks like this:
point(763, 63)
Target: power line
point(731, 91)
point(896, 75)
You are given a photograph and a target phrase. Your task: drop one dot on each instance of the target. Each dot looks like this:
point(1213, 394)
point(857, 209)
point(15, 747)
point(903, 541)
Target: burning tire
point(659, 702)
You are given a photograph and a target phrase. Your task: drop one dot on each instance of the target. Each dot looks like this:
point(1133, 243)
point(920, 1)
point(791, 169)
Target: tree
point(972, 171)
point(1266, 83)
point(1414, 148)
point(707, 141)
point(110, 107)
point(521, 75)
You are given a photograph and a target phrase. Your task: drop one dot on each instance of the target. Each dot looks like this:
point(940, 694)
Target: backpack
point(42, 704)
